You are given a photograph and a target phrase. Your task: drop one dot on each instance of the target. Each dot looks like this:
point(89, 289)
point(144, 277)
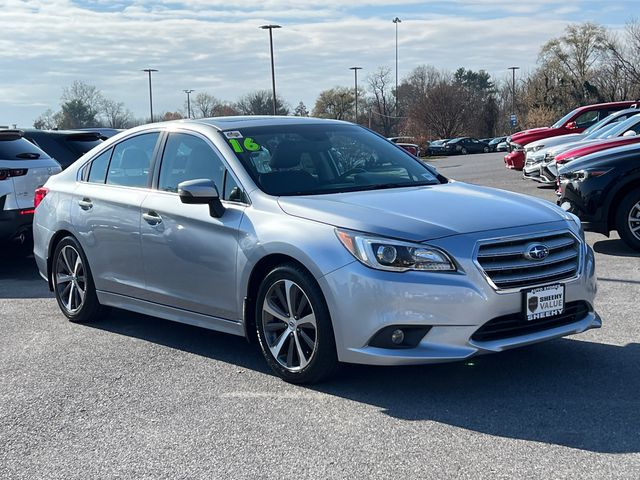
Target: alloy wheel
point(634, 220)
point(289, 324)
point(70, 279)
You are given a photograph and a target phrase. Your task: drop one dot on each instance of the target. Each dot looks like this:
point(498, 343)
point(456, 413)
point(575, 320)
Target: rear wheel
point(72, 283)
point(294, 327)
point(628, 220)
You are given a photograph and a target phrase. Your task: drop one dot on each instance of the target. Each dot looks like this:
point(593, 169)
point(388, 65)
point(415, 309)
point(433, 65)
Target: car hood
point(423, 213)
point(553, 141)
point(527, 136)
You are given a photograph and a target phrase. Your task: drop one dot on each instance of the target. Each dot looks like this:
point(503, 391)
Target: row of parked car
point(27, 159)
point(466, 145)
point(592, 156)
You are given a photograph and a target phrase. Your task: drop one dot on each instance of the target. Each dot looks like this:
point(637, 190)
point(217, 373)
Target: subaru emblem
point(536, 251)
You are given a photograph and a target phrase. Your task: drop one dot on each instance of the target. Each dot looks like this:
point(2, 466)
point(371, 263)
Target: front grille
point(515, 324)
point(505, 264)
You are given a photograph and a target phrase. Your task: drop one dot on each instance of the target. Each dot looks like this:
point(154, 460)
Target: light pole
point(396, 21)
point(188, 92)
point(149, 70)
point(355, 73)
point(273, 73)
point(513, 96)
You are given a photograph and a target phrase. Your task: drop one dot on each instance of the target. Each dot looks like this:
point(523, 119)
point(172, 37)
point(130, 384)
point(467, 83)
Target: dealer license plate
point(544, 302)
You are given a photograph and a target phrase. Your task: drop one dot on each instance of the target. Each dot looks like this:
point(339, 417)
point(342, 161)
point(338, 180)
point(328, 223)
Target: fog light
point(566, 206)
point(397, 337)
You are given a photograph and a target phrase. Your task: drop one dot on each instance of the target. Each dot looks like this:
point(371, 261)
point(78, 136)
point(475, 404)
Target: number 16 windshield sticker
point(248, 143)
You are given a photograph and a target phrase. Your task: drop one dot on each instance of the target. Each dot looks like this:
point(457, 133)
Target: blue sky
point(217, 47)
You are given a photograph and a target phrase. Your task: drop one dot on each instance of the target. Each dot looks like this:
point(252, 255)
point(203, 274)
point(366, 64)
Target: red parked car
point(575, 153)
point(575, 121)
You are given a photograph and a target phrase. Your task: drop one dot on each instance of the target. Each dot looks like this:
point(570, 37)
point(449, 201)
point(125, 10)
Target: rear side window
point(12, 148)
point(98, 168)
point(131, 161)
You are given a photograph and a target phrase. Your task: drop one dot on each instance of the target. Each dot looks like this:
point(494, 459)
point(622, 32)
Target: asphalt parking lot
point(136, 397)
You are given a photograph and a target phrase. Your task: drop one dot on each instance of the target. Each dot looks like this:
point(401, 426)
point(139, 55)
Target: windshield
point(564, 119)
point(603, 132)
point(324, 158)
point(618, 129)
point(19, 149)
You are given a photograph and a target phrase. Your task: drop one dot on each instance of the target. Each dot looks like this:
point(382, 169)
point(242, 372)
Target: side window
point(131, 161)
point(587, 119)
point(98, 167)
point(187, 157)
point(232, 190)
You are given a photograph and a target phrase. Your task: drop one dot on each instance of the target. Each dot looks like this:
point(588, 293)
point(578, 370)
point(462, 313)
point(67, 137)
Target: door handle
point(152, 218)
point(85, 204)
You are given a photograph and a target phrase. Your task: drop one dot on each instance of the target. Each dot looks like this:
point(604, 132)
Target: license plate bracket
point(543, 302)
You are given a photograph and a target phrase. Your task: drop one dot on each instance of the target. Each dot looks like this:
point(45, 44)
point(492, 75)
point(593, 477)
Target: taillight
point(41, 192)
point(12, 172)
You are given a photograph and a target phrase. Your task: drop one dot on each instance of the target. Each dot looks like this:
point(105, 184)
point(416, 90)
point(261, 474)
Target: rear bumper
point(15, 225)
point(514, 160)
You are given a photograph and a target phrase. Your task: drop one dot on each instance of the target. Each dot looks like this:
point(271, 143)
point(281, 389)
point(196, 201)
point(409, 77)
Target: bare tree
point(48, 120)
point(88, 95)
point(624, 54)
point(382, 101)
point(204, 105)
point(443, 109)
point(115, 114)
point(260, 103)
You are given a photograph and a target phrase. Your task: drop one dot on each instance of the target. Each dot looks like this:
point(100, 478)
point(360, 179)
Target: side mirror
point(201, 191)
point(572, 126)
point(629, 133)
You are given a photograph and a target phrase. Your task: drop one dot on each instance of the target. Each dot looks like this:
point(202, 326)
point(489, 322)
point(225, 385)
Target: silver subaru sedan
point(319, 239)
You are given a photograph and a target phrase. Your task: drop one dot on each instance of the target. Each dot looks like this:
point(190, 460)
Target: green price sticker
point(235, 144)
point(250, 145)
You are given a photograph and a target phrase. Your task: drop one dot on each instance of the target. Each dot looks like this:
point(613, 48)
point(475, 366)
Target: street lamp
point(273, 73)
point(188, 92)
point(513, 97)
point(355, 73)
point(396, 21)
point(149, 70)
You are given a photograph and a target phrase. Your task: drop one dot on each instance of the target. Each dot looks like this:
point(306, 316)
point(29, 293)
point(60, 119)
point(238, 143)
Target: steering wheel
point(351, 171)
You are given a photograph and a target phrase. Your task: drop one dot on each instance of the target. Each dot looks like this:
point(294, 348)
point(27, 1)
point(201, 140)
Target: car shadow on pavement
point(615, 247)
point(19, 277)
point(565, 392)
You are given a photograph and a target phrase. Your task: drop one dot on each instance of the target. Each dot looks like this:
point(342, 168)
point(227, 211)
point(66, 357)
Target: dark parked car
point(464, 145)
point(65, 146)
point(603, 189)
point(437, 147)
point(493, 144)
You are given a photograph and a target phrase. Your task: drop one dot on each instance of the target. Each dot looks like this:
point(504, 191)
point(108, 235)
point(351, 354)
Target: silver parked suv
point(321, 239)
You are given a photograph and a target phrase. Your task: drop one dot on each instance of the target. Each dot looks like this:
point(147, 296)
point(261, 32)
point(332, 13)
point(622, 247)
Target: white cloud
point(215, 45)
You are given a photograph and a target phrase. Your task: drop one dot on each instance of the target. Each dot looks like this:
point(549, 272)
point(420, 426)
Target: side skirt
point(170, 313)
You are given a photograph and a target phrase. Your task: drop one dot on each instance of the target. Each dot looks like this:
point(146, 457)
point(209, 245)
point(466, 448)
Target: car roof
point(61, 133)
point(248, 121)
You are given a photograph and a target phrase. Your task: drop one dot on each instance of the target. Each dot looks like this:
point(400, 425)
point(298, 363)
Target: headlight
point(394, 255)
point(582, 175)
point(517, 148)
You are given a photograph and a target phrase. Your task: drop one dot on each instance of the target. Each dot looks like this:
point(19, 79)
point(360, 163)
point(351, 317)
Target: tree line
point(586, 64)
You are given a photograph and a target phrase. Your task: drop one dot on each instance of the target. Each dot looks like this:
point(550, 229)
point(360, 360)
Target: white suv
point(23, 168)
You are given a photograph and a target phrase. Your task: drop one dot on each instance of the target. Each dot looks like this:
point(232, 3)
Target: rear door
point(189, 256)
point(106, 213)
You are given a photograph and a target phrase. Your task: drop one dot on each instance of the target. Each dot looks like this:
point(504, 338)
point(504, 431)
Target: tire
point(485, 149)
point(296, 350)
point(73, 284)
point(464, 151)
point(628, 219)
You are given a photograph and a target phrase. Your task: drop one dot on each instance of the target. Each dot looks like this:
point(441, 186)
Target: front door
point(189, 256)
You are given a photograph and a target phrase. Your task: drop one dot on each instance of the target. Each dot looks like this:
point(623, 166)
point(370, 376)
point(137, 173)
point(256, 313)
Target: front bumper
point(362, 301)
point(514, 160)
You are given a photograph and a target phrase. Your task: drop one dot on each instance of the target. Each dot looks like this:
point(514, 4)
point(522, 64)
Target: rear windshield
point(82, 145)
point(19, 149)
point(314, 159)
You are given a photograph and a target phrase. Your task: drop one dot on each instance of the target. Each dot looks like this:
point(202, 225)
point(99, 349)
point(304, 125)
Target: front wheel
point(485, 149)
point(72, 283)
point(628, 220)
point(464, 151)
point(294, 327)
